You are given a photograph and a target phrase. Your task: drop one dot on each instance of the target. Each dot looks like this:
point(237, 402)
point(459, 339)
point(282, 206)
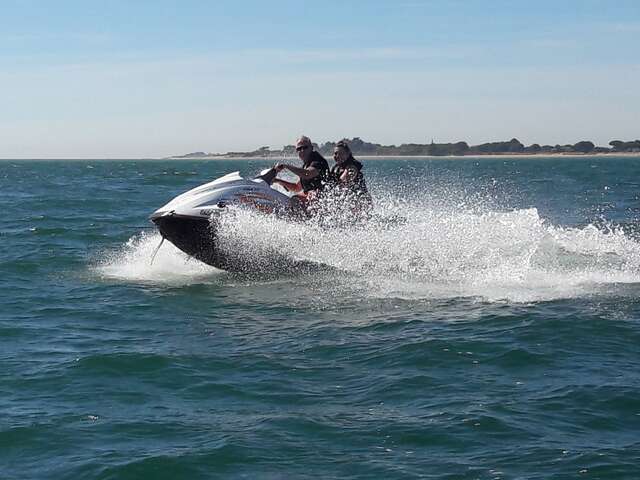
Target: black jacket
point(357, 185)
point(318, 162)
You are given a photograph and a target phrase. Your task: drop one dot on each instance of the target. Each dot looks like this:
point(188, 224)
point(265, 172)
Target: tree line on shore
point(511, 147)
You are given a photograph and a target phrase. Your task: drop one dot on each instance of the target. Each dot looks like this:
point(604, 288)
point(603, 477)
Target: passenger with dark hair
point(348, 179)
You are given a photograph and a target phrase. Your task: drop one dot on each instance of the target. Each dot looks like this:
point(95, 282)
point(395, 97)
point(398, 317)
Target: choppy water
point(493, 334)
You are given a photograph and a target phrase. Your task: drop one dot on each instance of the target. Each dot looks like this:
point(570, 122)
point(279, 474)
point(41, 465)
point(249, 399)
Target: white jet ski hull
point(191, 220)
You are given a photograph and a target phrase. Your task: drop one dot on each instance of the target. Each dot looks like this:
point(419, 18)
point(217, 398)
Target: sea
point(490, 329)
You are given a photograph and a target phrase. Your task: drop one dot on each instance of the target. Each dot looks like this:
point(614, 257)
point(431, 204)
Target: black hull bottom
point(194, 236)
point(197, 238)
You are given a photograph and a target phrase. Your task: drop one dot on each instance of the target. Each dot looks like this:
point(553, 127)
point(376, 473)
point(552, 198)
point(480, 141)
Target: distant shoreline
point(361, 148)
point(274, 158)
point(376, 157)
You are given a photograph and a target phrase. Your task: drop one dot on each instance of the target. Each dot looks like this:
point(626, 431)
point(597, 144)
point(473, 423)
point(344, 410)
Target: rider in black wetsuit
point(348, 180)
point(312, 175)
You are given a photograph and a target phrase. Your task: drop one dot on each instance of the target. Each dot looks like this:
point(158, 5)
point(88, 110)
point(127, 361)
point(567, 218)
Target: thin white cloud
point(624, 27)
point(553, 43)
point(45, 37)
point(375, 53)
point(234, 60)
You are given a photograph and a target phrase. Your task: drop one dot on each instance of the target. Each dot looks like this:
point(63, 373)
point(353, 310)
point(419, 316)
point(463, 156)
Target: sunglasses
point(300, 149)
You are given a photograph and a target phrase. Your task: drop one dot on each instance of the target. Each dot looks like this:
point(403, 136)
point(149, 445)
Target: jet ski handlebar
point(268, 175)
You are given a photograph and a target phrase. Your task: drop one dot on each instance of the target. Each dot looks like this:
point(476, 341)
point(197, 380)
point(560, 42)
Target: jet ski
point(191, 219)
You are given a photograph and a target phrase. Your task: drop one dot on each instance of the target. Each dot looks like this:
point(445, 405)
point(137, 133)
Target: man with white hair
point(312, 175)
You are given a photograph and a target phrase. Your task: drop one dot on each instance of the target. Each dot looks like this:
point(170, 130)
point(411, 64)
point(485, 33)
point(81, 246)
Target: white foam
point(132, 262)
point(440, 251)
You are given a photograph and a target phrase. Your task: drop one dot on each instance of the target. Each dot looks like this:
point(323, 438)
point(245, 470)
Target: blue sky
point(116, 79)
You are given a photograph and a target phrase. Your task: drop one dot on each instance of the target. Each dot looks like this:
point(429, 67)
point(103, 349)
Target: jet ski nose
point(157, 215)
